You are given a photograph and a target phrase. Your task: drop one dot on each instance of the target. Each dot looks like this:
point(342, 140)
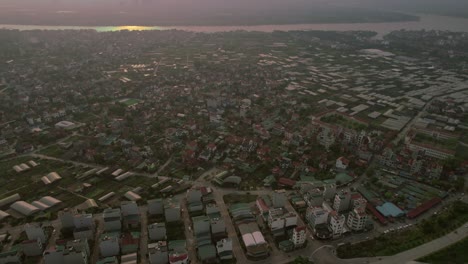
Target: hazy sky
point(100, 12)
point(174, 5)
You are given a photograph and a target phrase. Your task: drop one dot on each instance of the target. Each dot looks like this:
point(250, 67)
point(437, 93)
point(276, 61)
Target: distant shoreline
point(426, 22)
point(92, 18)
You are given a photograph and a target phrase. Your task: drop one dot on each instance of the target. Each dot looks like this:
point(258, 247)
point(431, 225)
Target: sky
point(175, 11)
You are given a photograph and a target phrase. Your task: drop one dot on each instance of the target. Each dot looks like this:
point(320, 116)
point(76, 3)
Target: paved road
point(99, 228)
point(191, 244)
point(231, 231)
point(144, 235)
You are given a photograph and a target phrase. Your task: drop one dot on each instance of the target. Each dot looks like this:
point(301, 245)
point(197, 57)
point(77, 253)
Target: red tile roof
point(423, 207)
point(286, 182)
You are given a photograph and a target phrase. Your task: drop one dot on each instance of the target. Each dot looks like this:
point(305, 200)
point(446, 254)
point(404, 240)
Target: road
point(99, 228)
point(231, 231)
point(144, 235)
point(191, 244)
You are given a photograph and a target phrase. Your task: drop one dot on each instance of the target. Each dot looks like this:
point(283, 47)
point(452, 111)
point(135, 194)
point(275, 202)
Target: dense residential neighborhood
point(235, 147)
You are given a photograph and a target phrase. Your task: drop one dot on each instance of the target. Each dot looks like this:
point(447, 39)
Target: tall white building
point(337, 222)
point(357, 219)
point(299, 236)
point(316, 216)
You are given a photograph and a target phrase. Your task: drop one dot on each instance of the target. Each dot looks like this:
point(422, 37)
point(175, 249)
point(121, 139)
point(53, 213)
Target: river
point(428, 22)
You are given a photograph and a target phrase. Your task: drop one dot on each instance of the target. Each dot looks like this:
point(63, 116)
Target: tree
point(301, 260)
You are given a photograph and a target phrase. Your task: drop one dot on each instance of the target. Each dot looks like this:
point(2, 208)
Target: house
point(158, 253)
point(73, 252)
point(35, 232)
point(224, 249)
point(157, 231)
point(109, 245)
point(130, 242)
point(112, 219)
point(155, 206)
point(32, 248)
point(130, 214)
point(172, 210)
point(342, 163)
point(11, 257)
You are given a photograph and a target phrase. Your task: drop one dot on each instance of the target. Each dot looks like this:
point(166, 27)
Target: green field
point(454, 254)
point(392, 243)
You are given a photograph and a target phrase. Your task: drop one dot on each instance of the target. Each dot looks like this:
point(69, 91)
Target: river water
point(428, 22)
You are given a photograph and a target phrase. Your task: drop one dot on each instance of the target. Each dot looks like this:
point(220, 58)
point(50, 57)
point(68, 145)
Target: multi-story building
point(357, 219)
point(329, 192)
point(316, 216)
point(342, 201)
point(314, 197)
point(337, 223)
point(299, 236)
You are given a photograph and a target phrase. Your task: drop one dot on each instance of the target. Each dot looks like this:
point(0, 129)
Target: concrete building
point(158, 253)
point(224, 249)
point(11, 257)
point(74, 252)
point(131, 214)
point(35, 232)
point(329, 192)
point(357, 219)
point(155, 207)
point(316, 216)
point(299, 236)
point(109, 245)
point(67, 218)
point(342, 163)
point(83, 220)
point(336, 223)
point(278, 199)
point(172, 210)
point(253, 239)
point(341, 202)
point(112, 220)
point(157, 231)
point(32, 248)
point(357, 201)
point(280, 218)
point(202, 229)
point(314, 197)
point(84, 226)
point(218, 227)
